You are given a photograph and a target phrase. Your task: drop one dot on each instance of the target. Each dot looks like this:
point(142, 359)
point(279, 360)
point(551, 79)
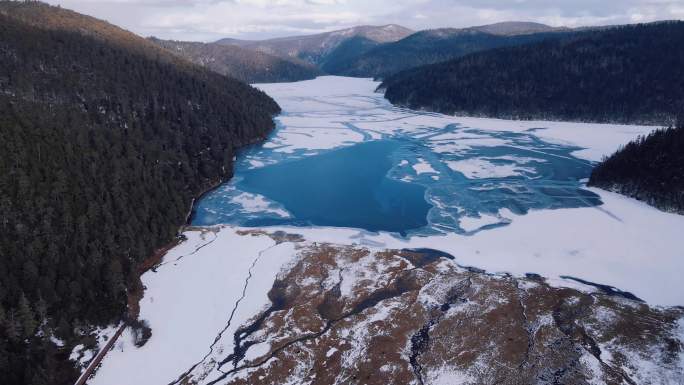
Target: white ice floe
point(480, 168)
point(597, 140)
point(289, 140)
point(468, 223)
point(318, 114)
point(423, 167)
point(255, 203)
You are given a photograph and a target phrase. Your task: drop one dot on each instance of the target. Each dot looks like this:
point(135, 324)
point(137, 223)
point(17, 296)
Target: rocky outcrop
point(344, 314)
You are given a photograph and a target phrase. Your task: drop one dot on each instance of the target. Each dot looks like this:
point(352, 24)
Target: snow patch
point(480, 168)
point(423, 167)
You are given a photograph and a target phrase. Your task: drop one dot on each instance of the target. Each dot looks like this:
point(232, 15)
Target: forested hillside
point(426, 47)
point(338, 61)
point(314, 49)
point(650, 169)
point(629, 74)
point(250, 66)
point(102, 148)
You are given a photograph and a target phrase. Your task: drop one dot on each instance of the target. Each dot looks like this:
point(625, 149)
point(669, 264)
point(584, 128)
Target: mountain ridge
point(313, 48)
point(250, 66)
point(433, 46)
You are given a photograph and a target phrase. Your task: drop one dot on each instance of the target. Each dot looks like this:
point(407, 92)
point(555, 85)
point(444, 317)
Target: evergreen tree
point(26, 317)
point(13, 327)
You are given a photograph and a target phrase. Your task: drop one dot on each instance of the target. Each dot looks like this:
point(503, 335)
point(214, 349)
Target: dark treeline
point(650, 169)
point(101, 152)
point(630, 74)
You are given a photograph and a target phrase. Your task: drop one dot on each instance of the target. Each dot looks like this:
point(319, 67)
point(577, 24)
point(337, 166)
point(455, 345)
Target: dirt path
point(100, 356)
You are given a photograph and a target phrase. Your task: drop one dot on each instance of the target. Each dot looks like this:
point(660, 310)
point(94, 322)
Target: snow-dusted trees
point(629, 74)
point(650, 169)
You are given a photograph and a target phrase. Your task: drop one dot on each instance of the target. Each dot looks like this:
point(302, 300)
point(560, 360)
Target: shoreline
point(136, 289)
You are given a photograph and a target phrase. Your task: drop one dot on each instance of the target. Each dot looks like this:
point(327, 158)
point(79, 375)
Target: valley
point(310, 192)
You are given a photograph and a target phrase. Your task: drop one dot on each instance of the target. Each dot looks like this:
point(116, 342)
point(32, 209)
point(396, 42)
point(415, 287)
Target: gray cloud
point(213, 19)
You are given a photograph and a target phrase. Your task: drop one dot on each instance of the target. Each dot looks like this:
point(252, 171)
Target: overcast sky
point(208, 20)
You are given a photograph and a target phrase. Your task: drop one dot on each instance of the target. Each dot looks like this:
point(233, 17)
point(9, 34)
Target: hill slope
point(629, 74)
point(103, 146)
point(434, 46)
point(315, 48)
point(244, 64)
point(650, 169)
point(44, 16)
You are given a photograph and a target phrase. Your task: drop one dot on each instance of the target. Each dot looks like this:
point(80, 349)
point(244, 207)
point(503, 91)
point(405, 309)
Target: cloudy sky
point(208, 20)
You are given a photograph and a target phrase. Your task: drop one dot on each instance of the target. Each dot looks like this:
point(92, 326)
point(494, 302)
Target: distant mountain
point(628, 74)
point(314, 49)
point(105, 140)
point(434, 46)
point(368, 51)
point(244, 64)
point(650, 169)
point(513, 28)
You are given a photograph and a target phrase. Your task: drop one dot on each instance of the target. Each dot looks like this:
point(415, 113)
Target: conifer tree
point(26, 317)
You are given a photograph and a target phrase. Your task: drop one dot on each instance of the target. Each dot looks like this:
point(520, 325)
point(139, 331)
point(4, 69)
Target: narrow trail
point(100, 356)
point(230, 319)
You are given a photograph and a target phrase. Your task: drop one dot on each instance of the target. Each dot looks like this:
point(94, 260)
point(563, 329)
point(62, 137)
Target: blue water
point(348, 187)
point(373, 185)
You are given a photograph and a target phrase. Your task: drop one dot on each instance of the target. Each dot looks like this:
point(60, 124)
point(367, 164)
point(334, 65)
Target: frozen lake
point(342, 156)
point(347, 169)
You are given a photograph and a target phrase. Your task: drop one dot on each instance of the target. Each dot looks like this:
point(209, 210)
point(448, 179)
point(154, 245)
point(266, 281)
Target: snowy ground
point(219, 278)
point(217, 281)
point(190, 299)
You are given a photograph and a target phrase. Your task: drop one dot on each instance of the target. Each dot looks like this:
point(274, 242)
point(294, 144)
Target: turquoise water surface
point(401, 173)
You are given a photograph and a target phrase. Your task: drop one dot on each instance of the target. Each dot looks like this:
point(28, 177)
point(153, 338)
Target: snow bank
point(189, 300)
